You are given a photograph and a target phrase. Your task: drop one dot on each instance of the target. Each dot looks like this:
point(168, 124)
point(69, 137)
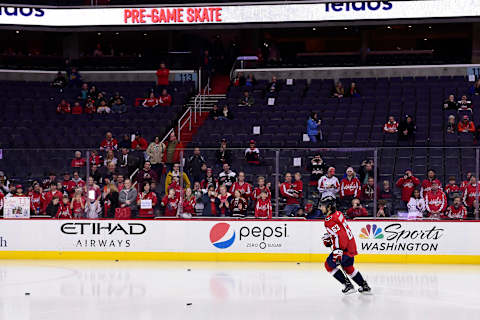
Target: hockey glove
point(327, 240)
point(337, 256)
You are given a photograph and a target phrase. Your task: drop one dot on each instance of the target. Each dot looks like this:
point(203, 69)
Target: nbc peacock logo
point(371, 232)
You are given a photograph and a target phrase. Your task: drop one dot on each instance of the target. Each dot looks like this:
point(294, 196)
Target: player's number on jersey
point(347, 228)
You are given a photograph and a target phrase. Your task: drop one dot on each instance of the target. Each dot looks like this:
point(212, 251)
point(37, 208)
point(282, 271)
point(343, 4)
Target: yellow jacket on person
point(169, 179)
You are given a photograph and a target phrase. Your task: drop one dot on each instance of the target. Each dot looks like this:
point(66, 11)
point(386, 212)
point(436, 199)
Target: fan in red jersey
point(146, 201)
point(470, 195)
point(427, 183)
point(261, 187)
point(109, 143)
point(435, 200)
point(263, 207)
point(36, 199)
point(344, 248)
point(244, 187)
point(456, 211)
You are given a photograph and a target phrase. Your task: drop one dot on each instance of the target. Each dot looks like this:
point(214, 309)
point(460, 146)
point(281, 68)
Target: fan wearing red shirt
point(464, 183)
point(68, 185)
point(35, 199)
point(456, 210)
point(263, 207)
point(436, 201)
point(146, 194)
point(63, 107)
point(78, 161)
point(162, 76)
point(470, 194)
point(261, 187)
point(151, 101)
point(391, 126)
point(77, 205)
point(64, 211)
point(77, 108)
point(188, 205)
point(407, 184)
point(244, 187)
point(170, 202)
point(165, 100)
point(427, 183)
point(356, 210)
point(139, 143)
point(48, 196)
point(109, 143)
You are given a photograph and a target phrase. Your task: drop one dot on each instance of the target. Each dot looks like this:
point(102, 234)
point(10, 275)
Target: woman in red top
point(225, 199)
point(146, 194)
point(170, 202)
point(151, 101)
point(165, 99)
point(189, 202)
point(63, 107)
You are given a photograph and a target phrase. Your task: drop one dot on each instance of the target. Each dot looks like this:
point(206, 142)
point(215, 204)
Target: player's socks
point(358, 278)
point(340, 276)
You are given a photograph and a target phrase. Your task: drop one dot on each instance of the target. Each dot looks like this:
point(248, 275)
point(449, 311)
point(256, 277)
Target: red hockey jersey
point(47, 198)
point(342, 236)
point(188, 206)
point(407, 186)
point(109, 144)
point(171, 206)
point(435, 201)
point(427, 186)
point(287, 190)
point(452, 188)
point(257, 191)
point(455, 213)
point(263, 209)
point(78, 163)
point(244, 188)
point(470, 194)
point(350, 188)
point(64, 211)
point(149, 196)
point(36, 202)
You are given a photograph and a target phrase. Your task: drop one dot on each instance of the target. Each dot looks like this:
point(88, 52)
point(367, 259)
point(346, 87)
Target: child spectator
point(165, 99)
point(383, 209)
point(452, 190)
point(146, 201)
point(456, 210)
point(63, 107)
point(252, 154)
point(368, 191)
point(77, 205)
point(356, 210)
point(238, 205)
point(263, 207)
point(151, 101)
point(189, 203)
point(53, 207)
point(391, 126)
point(416, 205)
point(64, 211)
point(466, 126)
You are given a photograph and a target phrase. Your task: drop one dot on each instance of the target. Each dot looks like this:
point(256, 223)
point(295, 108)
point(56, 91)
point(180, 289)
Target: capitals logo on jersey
point(222, 235)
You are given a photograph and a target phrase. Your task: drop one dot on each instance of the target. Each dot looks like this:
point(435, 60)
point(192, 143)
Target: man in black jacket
point(194, 166)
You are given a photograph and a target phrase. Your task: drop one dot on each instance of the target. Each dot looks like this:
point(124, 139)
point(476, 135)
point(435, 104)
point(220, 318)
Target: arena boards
point(245, 240)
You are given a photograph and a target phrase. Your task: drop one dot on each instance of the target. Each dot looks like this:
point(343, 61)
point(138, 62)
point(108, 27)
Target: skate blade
point(350, 291)
point(366, 293)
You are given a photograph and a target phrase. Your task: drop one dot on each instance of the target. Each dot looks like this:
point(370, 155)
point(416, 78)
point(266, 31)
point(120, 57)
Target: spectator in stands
point(78, 161)
point(385, 193)
point(353, 91)
point(100, 98)
point(227, 177)
point(110, 158)
point(93, 92)
point(328, 185)
point(109, 173)
point(109, 143)
point(49, 195)
point(91, 188)
point(120, 181)
point(465, 104)
point(313, 128)
point(368, 192)
point(407, 184)
point(238, 205)
point(68, 185)
point(225, 198)
point(172, 152)
point(406, 129)
point(4, 183)
point(77, 205)
point(146, 201)
point(64, 107)
point(93, 209)
point(466, 126)
point(188, 205)
point(95, 158)
point(338, 91)
point(126, 142)
point(95, 174)
point(146, 174)
point(128, 163)
point(292, 196)
point(456, 210)
point(383, 209)
point(98, 52)
point(250, 81)
point(223, 155)
point(215, 113)
point(52, 208)
point(165, 99)
point(118, 106)
point(209, 180)
point(90, 108)
point(239, 80)
point(116, 96)
point(211, 203)
point(428, 182)
point(452, 190)
point(416, 205)
point(74, 77)
point(391, 126)
point(357, 210)
point(465, 182)
point(60, 81)
point(366, 171)
point(470, 196)
point(273, 87)
point(263, 206)
point(83, 92)
point(170, 203)
point(155, 153)
point(451, 124)
point(128, 196)
point(475, 88)
point(103, 108)
point(194, 165)
point(436, 201)
point(151, 101)
point(450, 103)
point(175, 172)
point(77, 108)
point(243, 187)
point(317, 168)
point(139, 143)
point(261, 186)
point(246, 100)
point(198, 194)
point(252, 154)
point(225, 114)
point(79, 183)
point(162, 76)
point(350, 188)
point(111, 201)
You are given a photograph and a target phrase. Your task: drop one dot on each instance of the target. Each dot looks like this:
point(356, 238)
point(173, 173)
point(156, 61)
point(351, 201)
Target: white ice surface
point(71, 290)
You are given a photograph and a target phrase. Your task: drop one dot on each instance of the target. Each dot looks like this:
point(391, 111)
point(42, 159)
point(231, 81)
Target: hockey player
point(344, 248)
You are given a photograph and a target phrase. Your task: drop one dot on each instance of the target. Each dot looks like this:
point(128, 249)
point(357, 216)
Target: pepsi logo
point(222, 235)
